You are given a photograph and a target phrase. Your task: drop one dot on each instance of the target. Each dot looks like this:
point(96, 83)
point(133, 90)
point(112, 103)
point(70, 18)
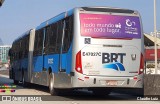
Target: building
point(150, 57)
point(4, 54)
point(149, 40)
point(149, 53)
point(149, 48)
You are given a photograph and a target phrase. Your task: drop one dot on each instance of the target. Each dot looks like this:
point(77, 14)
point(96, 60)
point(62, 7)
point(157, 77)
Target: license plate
point(112, 83)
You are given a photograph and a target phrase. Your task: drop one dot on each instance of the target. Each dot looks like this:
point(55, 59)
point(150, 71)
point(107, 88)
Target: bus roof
point(108, 9)
point(48, 22)
point(55, 19)
point(23, 35)
point(70, 12)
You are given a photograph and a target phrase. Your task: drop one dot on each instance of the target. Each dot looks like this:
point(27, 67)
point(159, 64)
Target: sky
point(18, 16)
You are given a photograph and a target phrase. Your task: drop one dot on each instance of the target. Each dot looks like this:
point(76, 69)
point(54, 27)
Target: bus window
point(59, 36)
point(27, 47)
point(52, 38)
point(38, 43)
point(46, 42)
point(68, 34)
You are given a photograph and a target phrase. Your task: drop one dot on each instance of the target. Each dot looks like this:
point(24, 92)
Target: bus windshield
point(110, 26)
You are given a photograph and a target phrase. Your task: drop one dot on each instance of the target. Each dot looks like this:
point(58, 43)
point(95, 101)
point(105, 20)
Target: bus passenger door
point(66, 49)
point(59, 75)
point(38, 56)
point(62, 79)
point(44, 70)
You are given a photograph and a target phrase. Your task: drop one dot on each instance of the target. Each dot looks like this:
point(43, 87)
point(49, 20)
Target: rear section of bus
point(108, 48)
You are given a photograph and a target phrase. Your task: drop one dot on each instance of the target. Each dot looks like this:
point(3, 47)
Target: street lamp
point(155, 32)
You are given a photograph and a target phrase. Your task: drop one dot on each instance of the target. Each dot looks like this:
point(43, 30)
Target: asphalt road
point(76, 95)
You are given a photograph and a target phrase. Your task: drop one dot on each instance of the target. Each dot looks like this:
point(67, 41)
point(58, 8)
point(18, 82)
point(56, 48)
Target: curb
point(6, 76)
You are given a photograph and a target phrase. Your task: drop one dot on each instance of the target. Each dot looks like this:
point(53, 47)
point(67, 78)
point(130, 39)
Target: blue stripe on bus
point(111, 66)
point(55, 64)
point(37, 63)
point(24, 64)
point(121, 67)
point(70, 12)
point(115, 66)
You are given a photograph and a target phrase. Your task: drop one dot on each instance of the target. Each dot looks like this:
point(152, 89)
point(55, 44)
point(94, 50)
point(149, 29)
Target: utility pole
point(155, 34)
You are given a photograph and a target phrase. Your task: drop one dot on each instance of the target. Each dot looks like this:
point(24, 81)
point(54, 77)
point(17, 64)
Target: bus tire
point(51, 85)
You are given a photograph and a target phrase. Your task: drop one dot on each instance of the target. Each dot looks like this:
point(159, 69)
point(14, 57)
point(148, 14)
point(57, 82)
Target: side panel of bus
point(53, 53)
point(38, 56)
point(19, 58)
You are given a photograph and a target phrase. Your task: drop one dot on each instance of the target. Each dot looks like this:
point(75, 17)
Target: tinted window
point(38, 45)
point(26, 47)
point(17, 50)
point(59, 36)
point(53, 38)
point(68, 33)
point(51, 35)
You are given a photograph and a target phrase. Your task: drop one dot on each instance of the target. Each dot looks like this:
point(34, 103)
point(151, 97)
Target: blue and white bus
point(96, 48)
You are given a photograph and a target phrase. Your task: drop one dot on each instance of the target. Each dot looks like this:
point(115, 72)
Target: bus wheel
point(51, 85)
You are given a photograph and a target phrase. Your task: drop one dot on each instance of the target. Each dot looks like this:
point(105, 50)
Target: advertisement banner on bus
point(110, 26)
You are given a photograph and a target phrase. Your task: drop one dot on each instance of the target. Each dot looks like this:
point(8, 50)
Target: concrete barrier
point(151, 84)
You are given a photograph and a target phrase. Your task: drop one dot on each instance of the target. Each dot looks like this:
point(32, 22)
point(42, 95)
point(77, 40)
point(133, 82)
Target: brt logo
point(112, 57)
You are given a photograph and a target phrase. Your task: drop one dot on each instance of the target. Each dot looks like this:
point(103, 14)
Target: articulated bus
point(94, 48)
